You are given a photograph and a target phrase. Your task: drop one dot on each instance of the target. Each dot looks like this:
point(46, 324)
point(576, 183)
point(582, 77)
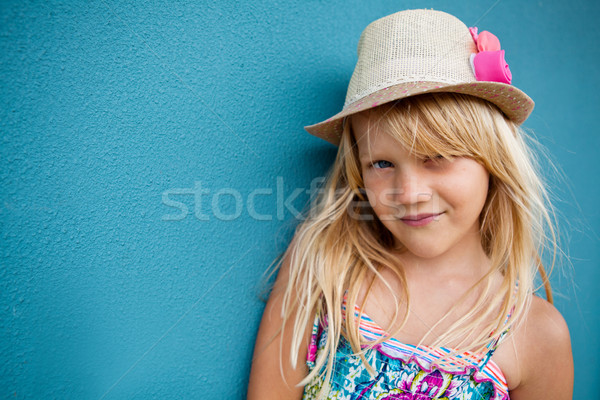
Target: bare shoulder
point(545, 327)
point(273, 375)
point(544, 354)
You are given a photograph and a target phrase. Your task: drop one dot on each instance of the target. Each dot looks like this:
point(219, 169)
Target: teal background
point(122, 122)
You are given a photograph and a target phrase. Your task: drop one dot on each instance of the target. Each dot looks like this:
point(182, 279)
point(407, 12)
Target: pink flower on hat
point(489, 63)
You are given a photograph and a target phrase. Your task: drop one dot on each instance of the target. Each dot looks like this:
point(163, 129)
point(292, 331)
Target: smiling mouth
point(420, 219)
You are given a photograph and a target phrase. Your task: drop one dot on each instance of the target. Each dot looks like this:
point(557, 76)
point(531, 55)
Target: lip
point(420, 219)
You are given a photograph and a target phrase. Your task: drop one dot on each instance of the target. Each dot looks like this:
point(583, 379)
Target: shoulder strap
point(311, 355)
point(495, 343)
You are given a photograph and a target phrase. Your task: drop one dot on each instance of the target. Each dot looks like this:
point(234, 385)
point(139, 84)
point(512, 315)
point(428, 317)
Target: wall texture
point(152, 158)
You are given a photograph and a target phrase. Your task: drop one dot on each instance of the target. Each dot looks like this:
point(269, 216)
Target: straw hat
point(423, 51)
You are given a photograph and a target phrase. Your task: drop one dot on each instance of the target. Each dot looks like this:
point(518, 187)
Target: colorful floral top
point(406, 372)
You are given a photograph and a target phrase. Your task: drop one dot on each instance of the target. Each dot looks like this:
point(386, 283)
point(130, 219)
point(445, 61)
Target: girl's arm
point(272, 375)
point(544, 355)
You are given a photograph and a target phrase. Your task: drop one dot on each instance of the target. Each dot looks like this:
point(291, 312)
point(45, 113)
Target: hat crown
point(411, 46)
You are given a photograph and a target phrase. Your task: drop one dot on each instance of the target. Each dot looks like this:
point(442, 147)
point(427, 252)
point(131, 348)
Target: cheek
point(372, 196)
point(481, 185)
point(371, 189)
point(472, 192)
point(375, 189)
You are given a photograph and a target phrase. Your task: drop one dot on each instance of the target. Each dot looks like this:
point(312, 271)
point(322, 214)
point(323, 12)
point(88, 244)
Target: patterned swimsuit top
point(404, 371)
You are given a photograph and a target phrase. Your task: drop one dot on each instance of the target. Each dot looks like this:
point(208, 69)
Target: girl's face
point(430, 205)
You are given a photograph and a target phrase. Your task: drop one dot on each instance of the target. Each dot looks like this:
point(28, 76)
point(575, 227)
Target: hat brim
point(514, 103)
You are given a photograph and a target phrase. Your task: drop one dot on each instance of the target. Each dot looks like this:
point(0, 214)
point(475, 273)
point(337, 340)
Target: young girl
point(412, 277)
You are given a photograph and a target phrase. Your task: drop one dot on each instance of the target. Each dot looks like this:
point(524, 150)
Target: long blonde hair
point(334, 251)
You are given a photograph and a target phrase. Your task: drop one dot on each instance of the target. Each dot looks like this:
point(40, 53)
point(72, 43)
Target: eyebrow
point(368, 157)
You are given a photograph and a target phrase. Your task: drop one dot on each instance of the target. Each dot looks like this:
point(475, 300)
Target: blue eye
point(382, 164)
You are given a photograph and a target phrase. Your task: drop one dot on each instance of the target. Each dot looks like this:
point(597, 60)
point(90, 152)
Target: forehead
point(371, 136)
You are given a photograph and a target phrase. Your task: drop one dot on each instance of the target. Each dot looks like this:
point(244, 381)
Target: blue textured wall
point(133, 134)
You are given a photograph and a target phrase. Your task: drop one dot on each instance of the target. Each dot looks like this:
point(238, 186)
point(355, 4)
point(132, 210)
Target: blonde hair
point(334, 251)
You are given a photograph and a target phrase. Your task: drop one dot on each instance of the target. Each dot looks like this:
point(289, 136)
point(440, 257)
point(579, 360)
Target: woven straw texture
point(413, 52)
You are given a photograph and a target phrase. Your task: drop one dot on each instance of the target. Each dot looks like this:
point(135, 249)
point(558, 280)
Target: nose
point(411, 187)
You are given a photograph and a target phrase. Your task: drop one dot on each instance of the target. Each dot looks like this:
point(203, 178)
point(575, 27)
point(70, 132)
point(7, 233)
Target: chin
point(423, 251)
